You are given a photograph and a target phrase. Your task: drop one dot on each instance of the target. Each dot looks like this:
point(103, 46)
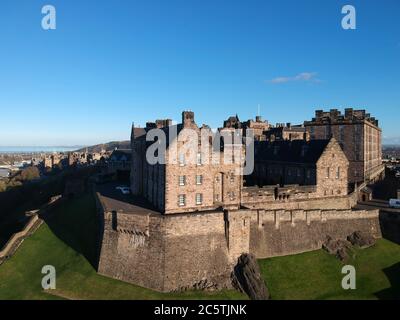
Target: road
point(377, 204)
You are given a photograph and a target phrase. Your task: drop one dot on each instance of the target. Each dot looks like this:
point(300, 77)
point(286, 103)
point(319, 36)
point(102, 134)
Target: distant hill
point(109, 146)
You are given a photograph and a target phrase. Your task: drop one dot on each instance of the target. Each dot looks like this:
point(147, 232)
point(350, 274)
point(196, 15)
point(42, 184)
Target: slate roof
point(121, 155)
point(138, 132)
point(297, 151)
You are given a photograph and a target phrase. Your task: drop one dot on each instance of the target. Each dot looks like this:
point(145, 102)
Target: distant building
point(359, 136)
point(233, 123)
point(4, 173)
point(120, 159)
point(259, 126)
point(78, 158)
point(287, 131)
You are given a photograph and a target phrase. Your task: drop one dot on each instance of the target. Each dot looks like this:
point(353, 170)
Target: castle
point(194, 211)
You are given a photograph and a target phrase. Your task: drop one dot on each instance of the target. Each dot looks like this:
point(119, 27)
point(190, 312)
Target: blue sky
point(109, 63)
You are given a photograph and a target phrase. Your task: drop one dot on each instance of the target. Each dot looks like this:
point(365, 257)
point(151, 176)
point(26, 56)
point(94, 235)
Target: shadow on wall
point(390, 226)
point(387, 188)
point(75, 223)
point(393, 275)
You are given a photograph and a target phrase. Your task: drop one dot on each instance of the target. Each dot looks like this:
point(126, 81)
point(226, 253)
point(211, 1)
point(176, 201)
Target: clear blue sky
point(109, 63)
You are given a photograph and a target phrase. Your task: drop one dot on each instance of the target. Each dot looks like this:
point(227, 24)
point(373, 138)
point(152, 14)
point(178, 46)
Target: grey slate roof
point(297, 151)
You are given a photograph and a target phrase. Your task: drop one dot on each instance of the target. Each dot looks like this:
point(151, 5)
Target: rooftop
point(297, 151)
point(113, 200)
point(335, 116)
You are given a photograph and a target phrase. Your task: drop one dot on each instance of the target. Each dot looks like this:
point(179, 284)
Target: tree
point(27, 174)
point(3, 186)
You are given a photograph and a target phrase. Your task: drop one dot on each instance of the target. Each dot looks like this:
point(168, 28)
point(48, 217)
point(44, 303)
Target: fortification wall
point(184, 251)
point(282, 232)
point(132, 249)
point(174, 252)
point(337, 203)
point(198, 251)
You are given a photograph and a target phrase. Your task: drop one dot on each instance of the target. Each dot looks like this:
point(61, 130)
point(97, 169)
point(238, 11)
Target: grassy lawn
point(317, 275)
point(67, 242)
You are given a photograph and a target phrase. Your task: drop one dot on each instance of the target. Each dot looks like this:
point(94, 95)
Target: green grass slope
point(67, 241)
point(317, 275)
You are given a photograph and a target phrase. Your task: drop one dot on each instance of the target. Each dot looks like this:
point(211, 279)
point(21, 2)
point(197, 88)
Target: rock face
point(338, 247)
point(361, 239)
point(246, 277)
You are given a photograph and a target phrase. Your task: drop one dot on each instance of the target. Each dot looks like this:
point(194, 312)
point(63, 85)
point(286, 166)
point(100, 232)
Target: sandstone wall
point(281, 232)
point(184, 251)
point(198, 249)
point(132, 249)
point(175, 252)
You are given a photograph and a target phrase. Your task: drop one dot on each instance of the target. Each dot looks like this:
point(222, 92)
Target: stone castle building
point(319, 163)
point(258, 126)
point(189, 218)
point(184, 182)
point(360, 137)
point(282, 132)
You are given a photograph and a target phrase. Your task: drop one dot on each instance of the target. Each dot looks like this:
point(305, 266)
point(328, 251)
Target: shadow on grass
point(393, 275)
point(390, 226)
point(75, 222)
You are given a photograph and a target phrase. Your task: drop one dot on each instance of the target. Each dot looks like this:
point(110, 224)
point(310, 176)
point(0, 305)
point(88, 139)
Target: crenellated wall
point(198, 250)
point(285, 232)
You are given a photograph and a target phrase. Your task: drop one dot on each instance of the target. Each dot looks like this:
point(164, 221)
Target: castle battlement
point(180, 251)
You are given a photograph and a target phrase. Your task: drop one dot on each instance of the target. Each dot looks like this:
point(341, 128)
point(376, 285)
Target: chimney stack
point(187, 118)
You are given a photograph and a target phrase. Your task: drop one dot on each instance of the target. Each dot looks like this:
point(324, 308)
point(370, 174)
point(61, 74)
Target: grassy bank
point(317, 275)
point(67, 241)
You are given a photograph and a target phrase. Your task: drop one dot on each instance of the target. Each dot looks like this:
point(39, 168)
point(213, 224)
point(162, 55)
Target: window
point(199, 159)
point(328, 132)
point(308, 173)
point(232, 177)
point(338, 173)
point(182, 180)
point(357, 152)
point(231, 195)
point(303, 150)
point(298, 172)
point(199, 179)
point(217, 197)
point(312, 132)
point(182, 200)
point(328, 173)
point(181, 159)
point(341, 133)
point(199, 198)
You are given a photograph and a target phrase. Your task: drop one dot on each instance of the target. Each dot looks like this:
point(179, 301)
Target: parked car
point(124, 190)
point(394, 203)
